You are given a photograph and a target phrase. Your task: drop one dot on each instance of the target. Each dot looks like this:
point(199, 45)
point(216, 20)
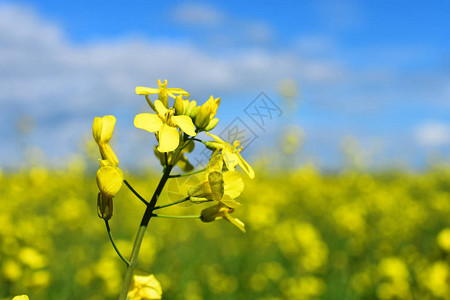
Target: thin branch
point(135, 193)
point(114, 244)
point(170, 204)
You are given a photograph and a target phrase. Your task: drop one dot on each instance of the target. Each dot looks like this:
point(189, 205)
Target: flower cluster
point(176, 126)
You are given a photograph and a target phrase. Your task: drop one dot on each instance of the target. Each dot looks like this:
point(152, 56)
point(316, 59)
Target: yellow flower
point(21, 297)
point(145, 288)
point(165, 124)
point(231, 155)
point(220, 211)
point(162, 91)
point(102, 130)
point(217, 186)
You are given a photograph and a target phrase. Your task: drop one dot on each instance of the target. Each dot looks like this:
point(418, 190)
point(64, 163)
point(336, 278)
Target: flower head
point(162, 91)
point(165, 124)
point(231, 155)
point(218, 186)
point(145, 288)
point(221, 211)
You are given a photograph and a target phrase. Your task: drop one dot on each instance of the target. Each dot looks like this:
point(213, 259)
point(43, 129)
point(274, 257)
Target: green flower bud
point(202, 119)
point(195, 112)
point(212, 124)
point(190, 107)
point(104, 206)
point(179, 105)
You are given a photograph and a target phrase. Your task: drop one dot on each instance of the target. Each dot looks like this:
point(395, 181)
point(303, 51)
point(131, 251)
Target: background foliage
point(349, 235)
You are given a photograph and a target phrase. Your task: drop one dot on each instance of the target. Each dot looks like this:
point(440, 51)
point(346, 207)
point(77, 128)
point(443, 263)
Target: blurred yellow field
point(352, 235)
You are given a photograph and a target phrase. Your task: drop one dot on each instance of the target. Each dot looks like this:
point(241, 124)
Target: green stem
point(114, 244)
point(176, 217)
point(141, 232)
point(135, 193)
point(187, 174)
point(170, 204)
point(199, 140)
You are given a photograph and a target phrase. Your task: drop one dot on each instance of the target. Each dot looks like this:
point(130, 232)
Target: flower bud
point(211, 213)
point(104, 206)
point(202, 119)
point(179, 105)
point(190, 107)
point(109, 179)
point(195, 112)
point(212, 124)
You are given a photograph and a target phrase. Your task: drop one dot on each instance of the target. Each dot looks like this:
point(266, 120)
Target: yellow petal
point(186, 124)
point(109, 179)
point(215, 164)
point(149, 122)
point(178, 91)
point(140, 90)
point(230, 159)
point(144, 288)
point(103, 129)
point(169, 138)
point(97, 129)
point(201, 190)
point(215, 180)
point(108, 154)
point(21, 297)
point(236, 222)
point(245, 166)
point(162, 110)
point(233, 184)
point(230, 202)
point(218, 139)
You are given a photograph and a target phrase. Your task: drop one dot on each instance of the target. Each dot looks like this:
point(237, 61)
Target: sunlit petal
point(140, 90)
point(169, 138)
point(162, 110)
point(233, 184)
point(149, 122)
point(186, 124)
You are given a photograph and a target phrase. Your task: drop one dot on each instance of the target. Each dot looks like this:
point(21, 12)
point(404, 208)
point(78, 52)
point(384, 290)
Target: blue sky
point(375, 70)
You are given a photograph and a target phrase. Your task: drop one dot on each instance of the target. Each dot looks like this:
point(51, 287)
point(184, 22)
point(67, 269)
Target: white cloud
point(433, 134)
point(63, 85)
point(197, 14)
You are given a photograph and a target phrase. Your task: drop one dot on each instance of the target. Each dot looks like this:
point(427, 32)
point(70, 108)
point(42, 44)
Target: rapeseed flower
point(162, 91)
point(218, 186)
point(165, 124)
point(145, 288)
point(231, 155)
